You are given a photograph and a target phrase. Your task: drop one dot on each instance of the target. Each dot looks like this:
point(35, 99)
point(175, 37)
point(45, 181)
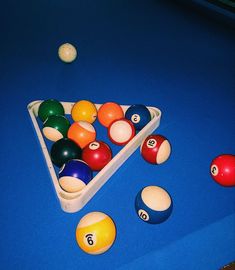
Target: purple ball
point(75, 175)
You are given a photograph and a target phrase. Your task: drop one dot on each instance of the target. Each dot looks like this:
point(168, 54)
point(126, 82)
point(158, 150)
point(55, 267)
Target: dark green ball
point(64, 150)
point(50, 107)
point(55, 127)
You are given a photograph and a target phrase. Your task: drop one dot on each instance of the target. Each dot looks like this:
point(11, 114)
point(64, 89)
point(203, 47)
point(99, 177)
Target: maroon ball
point(97, 154)
point(155, 149)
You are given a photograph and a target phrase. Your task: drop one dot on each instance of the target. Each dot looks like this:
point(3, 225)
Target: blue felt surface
point(194, 251)
point(152, 52)
point(222, 11)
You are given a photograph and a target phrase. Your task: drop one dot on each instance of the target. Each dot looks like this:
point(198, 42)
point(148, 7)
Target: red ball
point(155, 149)
point(121, 131)
point(97, 154)
point(222, 170)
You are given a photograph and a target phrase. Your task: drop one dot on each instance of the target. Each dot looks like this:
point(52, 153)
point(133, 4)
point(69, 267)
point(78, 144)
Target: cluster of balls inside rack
point(77, 154)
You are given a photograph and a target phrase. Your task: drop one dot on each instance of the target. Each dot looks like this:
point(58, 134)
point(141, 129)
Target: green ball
point(55, 127)
point(64, 150)
point(50, 107)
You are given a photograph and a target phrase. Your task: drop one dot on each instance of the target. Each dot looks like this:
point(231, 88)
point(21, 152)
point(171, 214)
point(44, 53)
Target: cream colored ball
point(67, 53)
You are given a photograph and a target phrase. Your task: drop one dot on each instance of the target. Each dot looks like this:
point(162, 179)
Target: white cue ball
point(67, 53)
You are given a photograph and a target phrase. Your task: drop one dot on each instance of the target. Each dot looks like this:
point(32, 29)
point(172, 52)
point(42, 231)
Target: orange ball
point(109, 112)
point(82, 133)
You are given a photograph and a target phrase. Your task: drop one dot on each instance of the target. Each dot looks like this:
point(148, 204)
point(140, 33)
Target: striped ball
point(74, 175)
point(153, 204)
point(95, 233)
point(82, 133)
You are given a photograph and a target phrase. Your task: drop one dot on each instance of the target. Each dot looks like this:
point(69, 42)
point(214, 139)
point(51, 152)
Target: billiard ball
point(82, 133)
point(50, 107)
point(109, 112)
point(67, 52)
point(63, 150)
point(95, 233)
point(84, 110)
point(120, 132)
point(153, 204)
point(222, 170)
point(55, 127)
point(139, 115)
point(155, 149)
point(97, 154)
point(74, 175)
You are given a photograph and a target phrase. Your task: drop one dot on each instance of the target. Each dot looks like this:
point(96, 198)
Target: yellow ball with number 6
point(95, 233)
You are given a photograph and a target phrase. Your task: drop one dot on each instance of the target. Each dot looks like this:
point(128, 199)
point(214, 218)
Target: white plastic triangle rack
point(73, 202)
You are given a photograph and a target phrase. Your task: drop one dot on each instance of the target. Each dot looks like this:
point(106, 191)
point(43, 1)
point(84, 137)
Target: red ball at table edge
point(222, 170)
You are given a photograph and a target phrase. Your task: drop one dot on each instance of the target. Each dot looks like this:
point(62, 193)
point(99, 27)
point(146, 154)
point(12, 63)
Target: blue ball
point(153, 204)
point(139, 115)
point(75, 175)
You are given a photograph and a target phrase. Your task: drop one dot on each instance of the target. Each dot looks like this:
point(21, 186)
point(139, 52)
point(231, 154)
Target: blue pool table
point(166, 54)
